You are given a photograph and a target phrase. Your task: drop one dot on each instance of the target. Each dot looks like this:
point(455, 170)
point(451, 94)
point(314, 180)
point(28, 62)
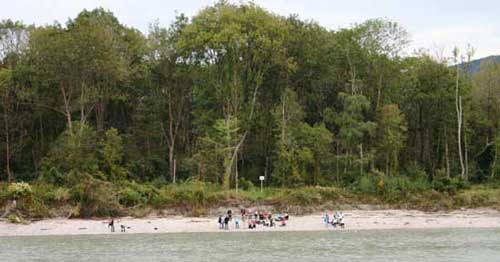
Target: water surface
point(377, 245)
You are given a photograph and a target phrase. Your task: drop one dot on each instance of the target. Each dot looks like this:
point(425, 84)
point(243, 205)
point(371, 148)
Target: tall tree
point(391, 136)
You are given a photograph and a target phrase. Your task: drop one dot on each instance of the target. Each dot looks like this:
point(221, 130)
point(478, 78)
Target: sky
point(435, 25)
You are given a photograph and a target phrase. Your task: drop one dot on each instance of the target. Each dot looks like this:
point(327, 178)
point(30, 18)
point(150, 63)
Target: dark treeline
point(234, 93)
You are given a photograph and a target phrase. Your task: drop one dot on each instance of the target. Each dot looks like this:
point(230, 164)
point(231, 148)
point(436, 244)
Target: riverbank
point(355, 220)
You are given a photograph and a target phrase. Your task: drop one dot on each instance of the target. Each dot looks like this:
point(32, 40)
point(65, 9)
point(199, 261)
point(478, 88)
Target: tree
point(485, 99)
point(5, 93)
point(352, 127)
point(236, 46)
point(391, 128)
point(111, 151)
point(288, 116)
point(13, 39)
point(173, 81)
point(427, 101)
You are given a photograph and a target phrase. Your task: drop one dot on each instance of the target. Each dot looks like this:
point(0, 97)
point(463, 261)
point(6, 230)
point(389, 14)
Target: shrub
point(130, 197)
point(4, 193)
point(51, 194)
point(13, 219)
point(19, 190)
point(246, 184)
point(444, 184)
point(301, 196)
point(96, 198)
point(365, 185)
point(163, 198)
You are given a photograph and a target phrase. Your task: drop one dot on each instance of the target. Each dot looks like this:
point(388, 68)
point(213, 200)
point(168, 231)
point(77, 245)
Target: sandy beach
point(354, 219)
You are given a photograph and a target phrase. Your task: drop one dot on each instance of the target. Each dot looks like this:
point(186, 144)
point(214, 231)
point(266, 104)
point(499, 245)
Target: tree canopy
point(234, 93)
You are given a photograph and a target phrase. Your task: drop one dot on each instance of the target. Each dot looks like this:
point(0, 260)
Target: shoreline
point(355, 220)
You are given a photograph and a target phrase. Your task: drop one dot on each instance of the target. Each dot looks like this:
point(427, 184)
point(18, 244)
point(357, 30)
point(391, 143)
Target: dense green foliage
point(113, 118)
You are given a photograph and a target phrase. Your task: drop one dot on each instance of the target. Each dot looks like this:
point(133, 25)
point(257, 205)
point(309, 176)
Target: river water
point(369, 245)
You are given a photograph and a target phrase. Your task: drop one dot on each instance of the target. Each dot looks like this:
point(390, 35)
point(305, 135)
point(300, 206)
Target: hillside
point(475, 65)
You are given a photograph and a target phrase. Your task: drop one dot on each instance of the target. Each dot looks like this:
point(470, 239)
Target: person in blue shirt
point(237, 223)
point(326, 219)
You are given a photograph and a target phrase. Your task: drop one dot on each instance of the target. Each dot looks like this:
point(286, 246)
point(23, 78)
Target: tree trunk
point(446, 153)
point(459, 135)
point(361, 158)
point(171, 162)
point(67, 107)
point(466, 158)
point(337, 168)
point(236, 173)
point(495, 159)
point(175, 170)
point(379, 92)
point(387, 169)
point(458, 107)
point(99, 115)
point(7, 143)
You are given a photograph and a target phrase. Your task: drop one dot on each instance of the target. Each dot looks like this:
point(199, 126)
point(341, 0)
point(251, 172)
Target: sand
point(354, 219)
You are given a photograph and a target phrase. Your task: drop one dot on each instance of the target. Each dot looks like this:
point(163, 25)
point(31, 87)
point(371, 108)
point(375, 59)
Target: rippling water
point(377, 245)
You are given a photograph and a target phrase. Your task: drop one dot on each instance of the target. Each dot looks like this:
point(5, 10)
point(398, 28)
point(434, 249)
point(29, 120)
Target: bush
point(246, 184)
point(366, 184)
point(130, 197)
point(13, 219)
point(444, 184)
point(301, 196)
point(96, 198)
point(163, 198)
point(51, 194)
point(4, 193)
point(19, 190)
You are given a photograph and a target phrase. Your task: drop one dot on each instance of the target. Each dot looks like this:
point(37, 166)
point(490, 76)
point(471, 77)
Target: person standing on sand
point(326, 219)
point(221, 224)
point(111, 225)
point(226, 223)
point(236, 223)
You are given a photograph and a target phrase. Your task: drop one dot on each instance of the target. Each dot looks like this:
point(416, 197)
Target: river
point(368, 245)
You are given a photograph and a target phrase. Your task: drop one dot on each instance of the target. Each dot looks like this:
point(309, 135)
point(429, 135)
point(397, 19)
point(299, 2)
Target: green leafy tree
point(112, 155)
point(391, 129)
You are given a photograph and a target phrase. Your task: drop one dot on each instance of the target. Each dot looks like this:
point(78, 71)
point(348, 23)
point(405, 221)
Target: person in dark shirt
point(111, 225)
point(221, 223)
point(226, 223)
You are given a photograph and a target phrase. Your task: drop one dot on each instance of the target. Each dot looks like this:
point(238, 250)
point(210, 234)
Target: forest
point(96, 113)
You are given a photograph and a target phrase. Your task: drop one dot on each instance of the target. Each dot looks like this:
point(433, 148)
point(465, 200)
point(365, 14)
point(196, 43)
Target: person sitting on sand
point(111, 225)
point(334, 221)
point(280, 217)
point(341, 220)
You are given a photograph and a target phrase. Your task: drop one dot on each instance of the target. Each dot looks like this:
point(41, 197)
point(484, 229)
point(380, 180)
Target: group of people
point(337, 219)
point(252, 220)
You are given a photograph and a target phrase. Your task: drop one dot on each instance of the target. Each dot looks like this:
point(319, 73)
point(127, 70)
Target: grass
point(97, 198)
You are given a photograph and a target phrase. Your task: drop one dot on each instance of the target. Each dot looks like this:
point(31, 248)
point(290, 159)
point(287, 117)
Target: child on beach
point(237, 223)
